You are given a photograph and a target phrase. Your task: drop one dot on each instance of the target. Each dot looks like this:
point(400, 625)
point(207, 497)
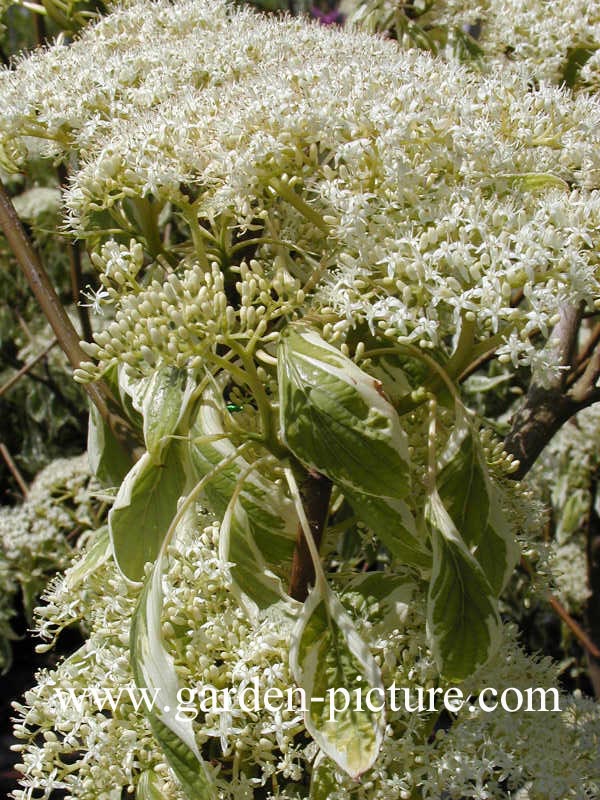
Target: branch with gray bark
point(547, 407)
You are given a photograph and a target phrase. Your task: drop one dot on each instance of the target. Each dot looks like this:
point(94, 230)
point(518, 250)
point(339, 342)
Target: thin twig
point(26, 367)
point(62, 326)
point(24, 326)
point(590, 345)
point(584, 390)
point(585, 356)
point(574, 626)
point(561, 612)
point(14, 469)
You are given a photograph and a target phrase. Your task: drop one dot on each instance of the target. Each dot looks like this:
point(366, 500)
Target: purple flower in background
point(332, 17)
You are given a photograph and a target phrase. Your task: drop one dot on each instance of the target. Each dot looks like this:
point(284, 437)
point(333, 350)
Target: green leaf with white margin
point(335, 418)
point(97, 553)
point(254, 584)
point(394, 525)
point(476, 384)
point(326, 654)
point(271, 513)
point(143, 509)
point(463, 624)
point(498, 550)
point(154, 669)
point(148, 787)
point(323, 781)
point(259, 528)
point(474, 503)
point(108, 460)
point(463, 482)
point(165, 401)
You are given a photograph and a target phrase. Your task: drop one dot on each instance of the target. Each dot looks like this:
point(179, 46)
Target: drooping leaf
point(256, 586)
point(165, 400)
point(258, 531)
point(335, 417)
point(498, 551)
point(97, 554)
point(154, 670)
point(109, 462)
point(326, 655)
point(143, 509)
point(463, 486)
point(392, 522)
point(390, 370)
point(463, 623)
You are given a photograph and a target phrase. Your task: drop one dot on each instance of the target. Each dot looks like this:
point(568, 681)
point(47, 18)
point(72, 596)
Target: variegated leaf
point(97, 553)
point(165, 401)
point(386, 599)
point(143, 509)
point(463, 485)
point(109, 462)
point(498, 550)
point(148, 787)
point(154, 669)
point(335, 417)
point(463, 623)
point(327, 654)
point(255, 585)
point(324, 781)
point(258, 531)
point(394, 525)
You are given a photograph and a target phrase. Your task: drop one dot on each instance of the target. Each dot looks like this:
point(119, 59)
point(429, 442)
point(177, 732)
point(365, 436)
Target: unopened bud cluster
point(179, 319)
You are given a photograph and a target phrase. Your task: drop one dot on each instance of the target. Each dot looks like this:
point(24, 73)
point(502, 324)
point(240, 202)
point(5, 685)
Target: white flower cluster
point(404, 192)
point(554, 42)
point(93, 754)
point(33, 535)
point(544, 754)
point(543, 36)
point(88, 754)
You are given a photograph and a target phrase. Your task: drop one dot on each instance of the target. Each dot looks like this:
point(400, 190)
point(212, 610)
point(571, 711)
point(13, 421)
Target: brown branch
point(585, 390)
point(64, 331)
point(562, 612)
point(583, 358)
point(547, 408)
point(315, 491)
point(14, 469)
point(535, 423)
point(573, 626)
point(26, 367)
point(590, 344)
